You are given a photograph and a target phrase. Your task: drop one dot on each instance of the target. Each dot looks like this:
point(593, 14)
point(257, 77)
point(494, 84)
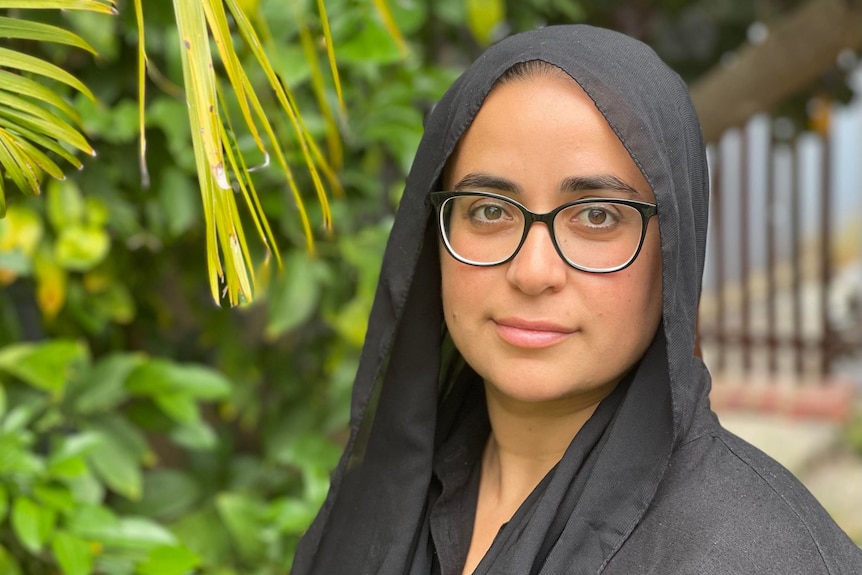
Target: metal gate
point(782, 296)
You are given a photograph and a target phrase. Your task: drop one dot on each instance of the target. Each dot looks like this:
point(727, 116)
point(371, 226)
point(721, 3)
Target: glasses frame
point(647, 210)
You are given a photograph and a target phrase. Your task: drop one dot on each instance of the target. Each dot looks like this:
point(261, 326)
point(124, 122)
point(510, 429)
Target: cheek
point(651, 281)
point(453, 288)
point(631, 301)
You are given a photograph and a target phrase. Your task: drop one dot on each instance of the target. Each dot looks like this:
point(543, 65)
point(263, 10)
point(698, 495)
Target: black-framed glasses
point(597, 235)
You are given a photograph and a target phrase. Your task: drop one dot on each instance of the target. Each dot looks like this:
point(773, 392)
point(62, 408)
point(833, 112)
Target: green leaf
point(103, 386)
point(16, 163)
point(117, 124)
point(34, 110)
point(81, 481)
point(19, 122)
point(178, 406)
point(12, 59)
point(4, 504)
point(16, 459)
point(72, 553)
point(80, 248)
point(21, 415)
point(196, 436)
point(294, 295)
point(310, 451)
point(168, 494)
point(98, 523)
point(46, 366)
point(483, 17)
point(138, 533)
point(21, 229)
point(160, 376)
point(30, 88)
point(292, 515)
point(172, 560)
point(177, 196)
point(203, 532)
point(102, 6)
point(74, 445)
point(373, 44)
point(39, 158)
point(117, 467)
point(125, 434)
point(101, 31)
point(119, 454)
point(32, 523)
point(57, 497)
point(290, 64)
point(68, 469)
point(8, 565)
point(40, 138)
point(243, 518)
point(92, 522)
point(65, 203)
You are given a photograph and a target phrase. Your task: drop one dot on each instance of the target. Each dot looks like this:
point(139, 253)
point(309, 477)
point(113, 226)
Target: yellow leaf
point(21, 229)
point(483, 17)
point(51, 282)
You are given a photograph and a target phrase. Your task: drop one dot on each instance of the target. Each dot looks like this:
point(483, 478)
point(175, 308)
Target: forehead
point(539, 131)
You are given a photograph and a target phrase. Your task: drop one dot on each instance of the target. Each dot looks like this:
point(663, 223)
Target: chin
point(534, 388)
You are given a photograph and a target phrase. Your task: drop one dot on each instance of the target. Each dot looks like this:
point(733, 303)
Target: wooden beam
point(799, 48)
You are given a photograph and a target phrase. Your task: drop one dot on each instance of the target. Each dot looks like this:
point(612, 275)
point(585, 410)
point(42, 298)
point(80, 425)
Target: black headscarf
point(375, 511)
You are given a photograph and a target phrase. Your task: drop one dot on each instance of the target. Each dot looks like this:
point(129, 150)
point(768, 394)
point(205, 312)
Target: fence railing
point(783, 279)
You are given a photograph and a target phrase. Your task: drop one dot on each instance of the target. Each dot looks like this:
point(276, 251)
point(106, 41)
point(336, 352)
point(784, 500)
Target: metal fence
point(783, 279)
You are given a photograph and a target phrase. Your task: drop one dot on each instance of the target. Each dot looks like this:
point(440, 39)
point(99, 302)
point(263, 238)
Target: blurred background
point(144, 429)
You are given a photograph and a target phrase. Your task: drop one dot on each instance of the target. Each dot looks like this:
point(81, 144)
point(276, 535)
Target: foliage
point(67, 451)
point(200, 439)
point(34, 121)
point(227, 483)
point(30, 131)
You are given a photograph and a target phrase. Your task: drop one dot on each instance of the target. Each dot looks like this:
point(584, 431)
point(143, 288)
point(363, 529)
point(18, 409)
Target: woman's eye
point(488, 212)
point(597, 216)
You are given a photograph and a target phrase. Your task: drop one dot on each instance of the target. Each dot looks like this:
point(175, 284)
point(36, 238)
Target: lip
point(531, 334)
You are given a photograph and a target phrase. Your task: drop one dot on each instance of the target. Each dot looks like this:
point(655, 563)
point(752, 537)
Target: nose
point(537, 267)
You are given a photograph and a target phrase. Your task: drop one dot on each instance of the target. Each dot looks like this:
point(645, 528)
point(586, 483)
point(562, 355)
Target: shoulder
point(726, 507)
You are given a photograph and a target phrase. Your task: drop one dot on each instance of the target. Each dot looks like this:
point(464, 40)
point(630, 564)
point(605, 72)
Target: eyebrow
point(485, 181)
point(571, 184)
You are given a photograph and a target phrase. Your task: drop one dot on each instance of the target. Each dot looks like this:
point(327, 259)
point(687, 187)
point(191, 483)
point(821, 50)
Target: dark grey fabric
point(661, 488)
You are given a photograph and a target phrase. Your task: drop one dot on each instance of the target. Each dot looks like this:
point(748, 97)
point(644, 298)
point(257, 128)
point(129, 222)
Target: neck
point(528, 439)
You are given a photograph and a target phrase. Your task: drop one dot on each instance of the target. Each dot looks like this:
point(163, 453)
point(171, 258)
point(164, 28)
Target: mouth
point(530, 334)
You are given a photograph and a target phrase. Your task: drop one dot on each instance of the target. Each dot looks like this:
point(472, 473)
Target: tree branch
point(797, 50)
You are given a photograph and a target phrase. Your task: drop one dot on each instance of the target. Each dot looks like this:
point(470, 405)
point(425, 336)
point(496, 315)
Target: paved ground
point(815, 450)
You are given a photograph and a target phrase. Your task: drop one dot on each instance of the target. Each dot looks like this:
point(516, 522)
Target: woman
point(528, 401)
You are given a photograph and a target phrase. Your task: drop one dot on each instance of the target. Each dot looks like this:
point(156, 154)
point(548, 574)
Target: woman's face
point(536, 329)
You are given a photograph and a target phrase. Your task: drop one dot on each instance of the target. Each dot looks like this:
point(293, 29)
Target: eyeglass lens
point(598, 235)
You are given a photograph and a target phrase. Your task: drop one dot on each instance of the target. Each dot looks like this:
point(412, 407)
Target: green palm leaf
point(102, 6)
point(26, 87)
point(23, 30)
point(26, 124)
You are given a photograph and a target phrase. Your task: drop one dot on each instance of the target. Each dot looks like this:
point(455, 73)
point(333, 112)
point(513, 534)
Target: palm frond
point(27, 126)
point(391, 26)
point(219, 169)
point(24, 30)
point(34, 121)
point(101, 6)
